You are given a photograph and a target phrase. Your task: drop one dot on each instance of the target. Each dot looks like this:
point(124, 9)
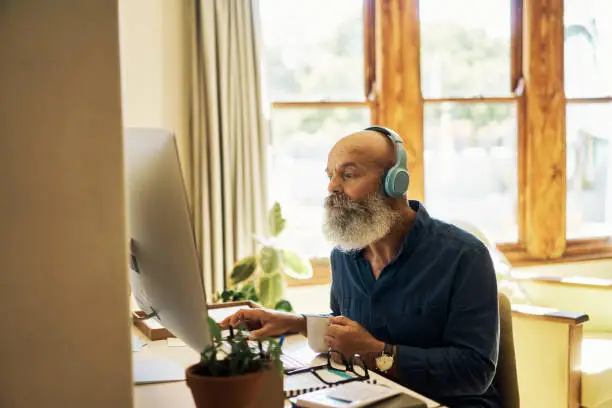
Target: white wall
point(63, 268)
point(155, 67)
point(309, 299)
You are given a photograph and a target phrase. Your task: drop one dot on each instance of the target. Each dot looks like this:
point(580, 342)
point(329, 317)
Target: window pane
point(313, 50)
point(465, 48)
point(471, 166)
point(300, 142)
point(588, 48)
point(589, 173)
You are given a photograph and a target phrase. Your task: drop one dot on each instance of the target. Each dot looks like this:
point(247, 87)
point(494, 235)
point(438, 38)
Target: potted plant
point(261, 277)
point(230, 372)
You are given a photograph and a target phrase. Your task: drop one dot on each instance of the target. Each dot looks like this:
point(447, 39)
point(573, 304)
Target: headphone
point(396, 179)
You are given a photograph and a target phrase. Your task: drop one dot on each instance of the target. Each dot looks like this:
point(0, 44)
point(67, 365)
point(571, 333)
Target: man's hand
point(265, 323)
point(350, 338)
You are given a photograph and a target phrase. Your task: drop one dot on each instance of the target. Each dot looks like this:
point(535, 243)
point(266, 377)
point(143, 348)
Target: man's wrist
point(299, 324)
point(376, 346)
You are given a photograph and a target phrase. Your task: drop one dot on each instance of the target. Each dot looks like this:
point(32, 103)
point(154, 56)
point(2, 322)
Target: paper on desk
point(304, 354)
point(174, 342)
point(156, 370)
point(222, 313)
point(361, 391)
point(137, 343)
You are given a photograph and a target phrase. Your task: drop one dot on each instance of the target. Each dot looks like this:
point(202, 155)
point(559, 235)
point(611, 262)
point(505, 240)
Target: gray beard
point(353, 225)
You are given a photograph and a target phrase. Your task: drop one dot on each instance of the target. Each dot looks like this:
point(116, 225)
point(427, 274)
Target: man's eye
point(348, 175)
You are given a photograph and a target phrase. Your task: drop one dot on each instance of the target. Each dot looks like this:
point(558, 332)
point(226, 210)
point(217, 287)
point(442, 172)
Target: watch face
point(384, 362)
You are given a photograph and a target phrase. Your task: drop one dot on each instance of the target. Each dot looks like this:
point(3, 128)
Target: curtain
point(227, 141)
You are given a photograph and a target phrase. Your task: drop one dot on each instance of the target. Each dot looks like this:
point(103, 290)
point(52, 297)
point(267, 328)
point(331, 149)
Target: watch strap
point(389, 349)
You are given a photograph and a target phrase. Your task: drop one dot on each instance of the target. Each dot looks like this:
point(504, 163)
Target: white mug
point(316, 326)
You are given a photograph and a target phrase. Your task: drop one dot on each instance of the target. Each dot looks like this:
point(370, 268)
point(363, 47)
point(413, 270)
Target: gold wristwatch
point(384, 362)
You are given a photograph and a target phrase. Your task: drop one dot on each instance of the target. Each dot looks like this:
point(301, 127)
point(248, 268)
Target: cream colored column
point(63, 279)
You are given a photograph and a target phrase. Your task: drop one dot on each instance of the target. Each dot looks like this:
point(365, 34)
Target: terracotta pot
point(240, 391)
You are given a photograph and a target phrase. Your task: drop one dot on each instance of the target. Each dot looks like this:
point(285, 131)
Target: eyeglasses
point(352, 369)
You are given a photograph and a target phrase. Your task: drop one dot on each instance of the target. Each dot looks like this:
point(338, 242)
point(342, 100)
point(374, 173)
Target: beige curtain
point(228, 146)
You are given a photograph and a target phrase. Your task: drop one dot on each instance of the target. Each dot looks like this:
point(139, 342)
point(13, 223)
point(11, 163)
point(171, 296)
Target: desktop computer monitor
point(165, 272)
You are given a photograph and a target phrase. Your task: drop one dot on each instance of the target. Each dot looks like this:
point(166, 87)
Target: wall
point(63, 279)
point(155, 67)
point(309, 299)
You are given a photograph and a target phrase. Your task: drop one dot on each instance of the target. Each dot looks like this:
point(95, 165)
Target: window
point(315, 92)
point(470, 116)
point(300, 141)
point(503, 121)
point(588, 88)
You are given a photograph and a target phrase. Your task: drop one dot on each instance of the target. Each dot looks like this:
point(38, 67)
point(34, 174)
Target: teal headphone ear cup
point(397, 179)
point(396, 182)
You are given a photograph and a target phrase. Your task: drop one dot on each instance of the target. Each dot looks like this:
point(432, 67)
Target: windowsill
point(577, 251)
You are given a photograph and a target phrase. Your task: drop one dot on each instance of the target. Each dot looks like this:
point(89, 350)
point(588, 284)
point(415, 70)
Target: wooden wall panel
point(545, 129)
point(399, 99)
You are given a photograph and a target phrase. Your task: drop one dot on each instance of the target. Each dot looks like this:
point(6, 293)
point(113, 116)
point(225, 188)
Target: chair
point(506, 380)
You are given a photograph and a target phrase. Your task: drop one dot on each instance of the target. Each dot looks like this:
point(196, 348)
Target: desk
point(177, 395)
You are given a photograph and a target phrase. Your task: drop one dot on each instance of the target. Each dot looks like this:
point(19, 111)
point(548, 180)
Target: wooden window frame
point(543, 237)
point(393, 93)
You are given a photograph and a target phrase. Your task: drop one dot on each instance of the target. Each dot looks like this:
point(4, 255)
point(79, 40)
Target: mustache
point(344, 202)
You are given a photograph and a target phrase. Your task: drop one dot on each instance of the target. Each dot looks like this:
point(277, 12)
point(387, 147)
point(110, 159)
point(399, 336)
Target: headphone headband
point(396, 179)
point(397, 140)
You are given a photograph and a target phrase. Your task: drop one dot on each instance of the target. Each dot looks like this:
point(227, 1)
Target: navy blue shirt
point(437, 301)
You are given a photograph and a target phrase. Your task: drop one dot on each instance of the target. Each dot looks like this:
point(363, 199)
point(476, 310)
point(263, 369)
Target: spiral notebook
point(306, 385)
point(354, 395)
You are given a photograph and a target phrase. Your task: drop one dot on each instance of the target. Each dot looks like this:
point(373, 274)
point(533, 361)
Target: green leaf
point(269, 260)
point(296, 267)
point(248, 289)
point(243, 269)
point(250, 292)
point(284, 305)
point(271, 289)
point(215, 330)
point(276, 222)
point(227, 295)
point(208, 354)
point(238, 296)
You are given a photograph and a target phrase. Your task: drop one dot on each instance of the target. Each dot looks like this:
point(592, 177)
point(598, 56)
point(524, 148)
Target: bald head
point(368, 147)
point(357, 163)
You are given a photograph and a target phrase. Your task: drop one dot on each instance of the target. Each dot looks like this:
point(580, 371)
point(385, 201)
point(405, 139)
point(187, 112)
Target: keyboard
point(289, 363)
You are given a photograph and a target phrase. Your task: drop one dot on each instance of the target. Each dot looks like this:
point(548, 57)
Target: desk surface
point(176, 394)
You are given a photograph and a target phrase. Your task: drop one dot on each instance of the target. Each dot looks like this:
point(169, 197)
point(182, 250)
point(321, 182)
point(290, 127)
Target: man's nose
point(334, 186)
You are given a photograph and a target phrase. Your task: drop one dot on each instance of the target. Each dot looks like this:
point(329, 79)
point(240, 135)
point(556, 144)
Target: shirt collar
point(420, 225)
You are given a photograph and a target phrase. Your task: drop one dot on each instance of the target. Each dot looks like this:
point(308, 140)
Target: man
point(416, 296)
